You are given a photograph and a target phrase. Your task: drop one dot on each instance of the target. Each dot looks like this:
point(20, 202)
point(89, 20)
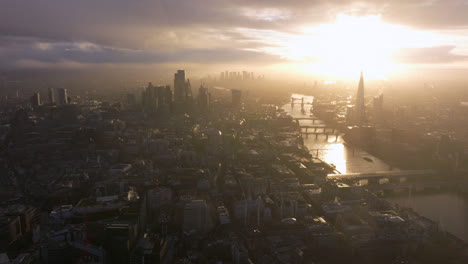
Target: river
point(447, 208)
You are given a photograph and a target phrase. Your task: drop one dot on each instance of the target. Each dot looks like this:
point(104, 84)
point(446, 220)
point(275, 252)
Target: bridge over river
point(393, 176)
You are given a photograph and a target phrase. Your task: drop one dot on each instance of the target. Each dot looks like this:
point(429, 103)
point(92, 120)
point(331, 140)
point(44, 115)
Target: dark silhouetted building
point(360, 104)
point(182, 92)
point(157, 98)
point(51, 96)
point(36, 100)
point(203, 98)
point(182, 87)
point(62, 96)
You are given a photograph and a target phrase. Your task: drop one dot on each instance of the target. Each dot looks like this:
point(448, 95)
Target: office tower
point(188, 91)
point(221, 77)
point(179, 86)
point(182, 87)
point(148, 99)
point(360, 106)
point(196, 216)
point(62, 96)
point(36, 100)
point(236, 97)
point(51, 96)
point(156, 98)
point(203, 98)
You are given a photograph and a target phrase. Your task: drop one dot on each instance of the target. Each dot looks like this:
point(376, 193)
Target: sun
point(350, 45)
point(356, 43)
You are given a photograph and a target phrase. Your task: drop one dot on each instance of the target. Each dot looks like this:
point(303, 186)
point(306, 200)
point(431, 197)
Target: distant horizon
point(334, 39)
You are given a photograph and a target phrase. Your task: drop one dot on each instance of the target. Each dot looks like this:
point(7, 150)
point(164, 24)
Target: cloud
point(204, 31)
point(48, 53)
point(429, 55)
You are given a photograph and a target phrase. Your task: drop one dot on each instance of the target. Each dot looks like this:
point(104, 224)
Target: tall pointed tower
point(360, 107)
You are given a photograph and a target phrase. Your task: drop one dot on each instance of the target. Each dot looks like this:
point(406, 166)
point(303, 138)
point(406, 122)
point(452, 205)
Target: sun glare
point(352, 44)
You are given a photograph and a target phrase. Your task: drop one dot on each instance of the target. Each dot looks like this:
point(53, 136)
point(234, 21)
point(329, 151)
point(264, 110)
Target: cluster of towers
point(238, 76)
point(157, 97)
point(163, 99)
point(61, 98)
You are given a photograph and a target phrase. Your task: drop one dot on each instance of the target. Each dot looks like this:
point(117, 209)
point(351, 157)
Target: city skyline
point(234, 131)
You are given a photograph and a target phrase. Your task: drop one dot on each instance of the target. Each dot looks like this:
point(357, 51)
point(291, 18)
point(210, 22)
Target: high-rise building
point(188, 91)
point(62, 96)
point(236, 97)
point(156, 97)
point(360, 104)
point(203, 98)
point(182, 92)
point(36, 100)
point(179, 86)
point(51, 96)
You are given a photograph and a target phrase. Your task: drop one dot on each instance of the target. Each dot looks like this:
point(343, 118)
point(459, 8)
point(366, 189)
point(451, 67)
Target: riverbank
point(350, 160)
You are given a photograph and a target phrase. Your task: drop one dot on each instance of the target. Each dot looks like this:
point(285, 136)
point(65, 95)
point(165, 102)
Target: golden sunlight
point(352, 44)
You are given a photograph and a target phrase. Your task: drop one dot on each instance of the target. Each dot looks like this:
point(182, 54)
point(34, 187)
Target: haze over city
point(234, 131)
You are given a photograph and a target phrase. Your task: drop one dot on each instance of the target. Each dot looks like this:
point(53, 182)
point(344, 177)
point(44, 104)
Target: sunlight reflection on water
point(333, 151)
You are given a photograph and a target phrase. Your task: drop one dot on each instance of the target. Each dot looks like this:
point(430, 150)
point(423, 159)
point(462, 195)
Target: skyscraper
point(36, 100)
point(156, 98)
point(182, 92)
point(51, 96)
point(62, 96)
point(179, 86)
point(188, 91)
point(360, 106)
point(203, 98)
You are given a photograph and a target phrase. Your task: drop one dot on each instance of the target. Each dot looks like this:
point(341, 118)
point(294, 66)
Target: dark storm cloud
point(429, 55)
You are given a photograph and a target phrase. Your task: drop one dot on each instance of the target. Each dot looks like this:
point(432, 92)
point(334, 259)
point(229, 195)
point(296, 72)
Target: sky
point(330, 37)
